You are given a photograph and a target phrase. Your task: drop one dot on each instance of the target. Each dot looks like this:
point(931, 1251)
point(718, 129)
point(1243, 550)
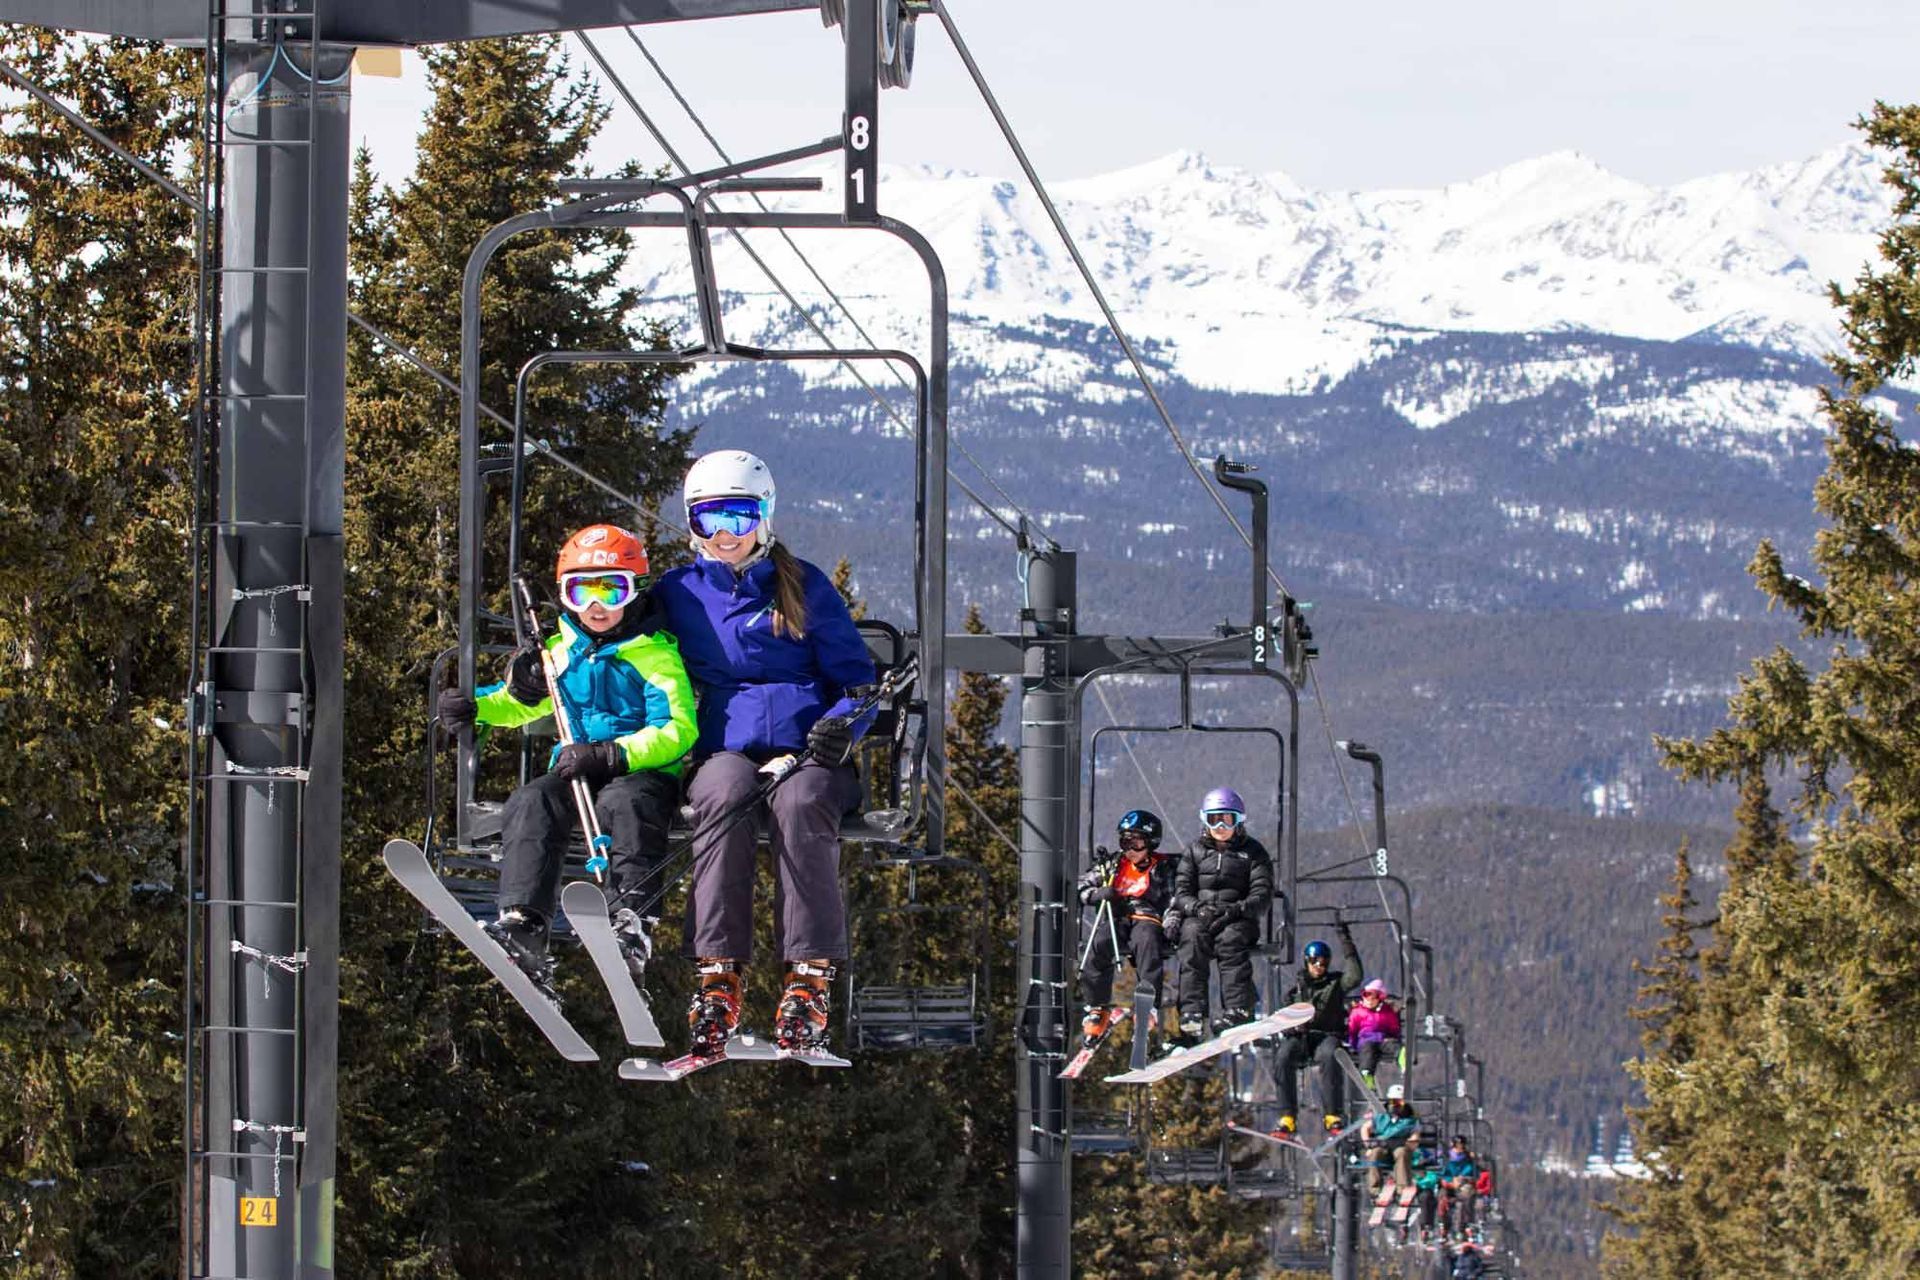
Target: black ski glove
point(830, 741)
point(1209, 917)
point(457, 710)
point(1223, 916)
point(594, 763)
point(1103, 894)
point(525, 680)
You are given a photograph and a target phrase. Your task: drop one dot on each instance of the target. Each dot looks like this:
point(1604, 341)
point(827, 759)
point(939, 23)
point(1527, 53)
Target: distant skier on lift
point(1326, 990)
point(1221, 893)
point(632, 711)
point(773, 651)
point(1372, 1024)
point(1139, 886)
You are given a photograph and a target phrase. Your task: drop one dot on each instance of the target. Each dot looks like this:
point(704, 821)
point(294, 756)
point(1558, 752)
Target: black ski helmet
point(1141, 822)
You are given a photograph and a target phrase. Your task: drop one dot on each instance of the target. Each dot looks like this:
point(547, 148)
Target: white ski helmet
point(733, 473)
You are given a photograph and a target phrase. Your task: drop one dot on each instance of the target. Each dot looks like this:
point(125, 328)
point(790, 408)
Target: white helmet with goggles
point(730, 489)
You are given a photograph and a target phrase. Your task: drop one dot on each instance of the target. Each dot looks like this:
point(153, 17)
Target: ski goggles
point(610, 588)
point(1223, 818)
point(737, 516)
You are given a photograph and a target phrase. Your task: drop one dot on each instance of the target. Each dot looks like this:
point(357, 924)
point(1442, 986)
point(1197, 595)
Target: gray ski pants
point(804, 829)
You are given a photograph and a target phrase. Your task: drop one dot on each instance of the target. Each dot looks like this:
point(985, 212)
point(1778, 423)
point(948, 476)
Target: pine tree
point(1665, 1130)
point(96, 284)
point(1822, 953)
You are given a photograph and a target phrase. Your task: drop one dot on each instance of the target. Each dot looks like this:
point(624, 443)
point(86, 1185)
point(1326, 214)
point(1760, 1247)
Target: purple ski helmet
point(1223, 800)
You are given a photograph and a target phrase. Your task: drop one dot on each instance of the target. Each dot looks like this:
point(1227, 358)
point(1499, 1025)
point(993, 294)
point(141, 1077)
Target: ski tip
point(399, 849)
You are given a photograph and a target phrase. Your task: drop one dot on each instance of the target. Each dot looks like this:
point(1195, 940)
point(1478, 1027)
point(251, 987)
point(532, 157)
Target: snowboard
point(586, 907)
point(1294, 1015)
point(416, 875)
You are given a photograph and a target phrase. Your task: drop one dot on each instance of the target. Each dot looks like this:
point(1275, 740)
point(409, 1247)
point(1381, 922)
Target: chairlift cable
point(821, 280)
point(1086, 274)
point(673, 155)
point(1133, 357)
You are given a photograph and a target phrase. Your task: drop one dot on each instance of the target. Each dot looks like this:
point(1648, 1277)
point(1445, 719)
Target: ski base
point(586, 907)
point(409, 865)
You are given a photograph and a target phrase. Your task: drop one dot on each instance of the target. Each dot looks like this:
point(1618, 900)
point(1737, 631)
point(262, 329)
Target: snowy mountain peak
point(1253, 282)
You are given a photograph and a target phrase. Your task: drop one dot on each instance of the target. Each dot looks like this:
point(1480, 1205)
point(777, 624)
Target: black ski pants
point(1145, 947)
point(1370, 1054)
point(1313, 1048)
point(803, 826)
point(634, 808)
point(1232, 945)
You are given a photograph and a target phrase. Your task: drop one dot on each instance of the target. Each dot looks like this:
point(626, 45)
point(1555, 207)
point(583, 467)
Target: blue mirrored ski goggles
point(737, 516)
point(613, 588)
point(1223, 818)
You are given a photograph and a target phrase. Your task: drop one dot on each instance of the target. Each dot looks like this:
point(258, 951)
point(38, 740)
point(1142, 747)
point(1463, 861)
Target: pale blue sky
point(1392, 93)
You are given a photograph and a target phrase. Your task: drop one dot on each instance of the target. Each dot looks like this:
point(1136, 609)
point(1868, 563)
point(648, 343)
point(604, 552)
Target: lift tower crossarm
point(381, 22)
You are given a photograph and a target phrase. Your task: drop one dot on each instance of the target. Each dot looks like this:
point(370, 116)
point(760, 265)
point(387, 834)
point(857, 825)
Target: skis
point(739, 1048)
point(744, 1047)
point(1380, 1202)
point(1080, 1060)
point(1294, 1015)
point(416, 875)
point(586, 907)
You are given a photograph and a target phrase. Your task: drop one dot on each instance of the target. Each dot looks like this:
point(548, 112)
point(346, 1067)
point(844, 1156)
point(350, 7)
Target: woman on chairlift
point(773, 652)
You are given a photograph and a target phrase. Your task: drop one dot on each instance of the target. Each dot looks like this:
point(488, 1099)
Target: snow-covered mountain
point(1254, 283)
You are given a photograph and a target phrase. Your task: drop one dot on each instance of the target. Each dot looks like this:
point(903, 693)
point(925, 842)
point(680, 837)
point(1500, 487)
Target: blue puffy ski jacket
point(760, 692)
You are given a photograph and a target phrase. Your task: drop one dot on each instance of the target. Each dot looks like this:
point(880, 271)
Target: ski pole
point(598, 842)
point(1104, 912)
point(721, 823)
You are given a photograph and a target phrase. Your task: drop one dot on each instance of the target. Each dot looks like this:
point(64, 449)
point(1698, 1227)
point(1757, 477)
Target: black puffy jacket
point(1236, 877)
point(1153, 902)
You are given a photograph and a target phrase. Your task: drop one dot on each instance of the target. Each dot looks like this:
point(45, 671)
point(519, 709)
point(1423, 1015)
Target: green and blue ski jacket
point(633, 690)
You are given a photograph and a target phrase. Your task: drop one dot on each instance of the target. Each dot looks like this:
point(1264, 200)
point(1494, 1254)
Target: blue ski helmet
point(1317, 950)
point(1141, 822)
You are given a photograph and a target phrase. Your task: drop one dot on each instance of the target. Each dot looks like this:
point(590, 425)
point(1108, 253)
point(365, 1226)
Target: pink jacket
point(1364, 1023)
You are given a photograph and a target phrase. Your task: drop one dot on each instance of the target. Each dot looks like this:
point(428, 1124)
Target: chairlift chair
point(903, 751)
point(898, 1014)
point(1104, 1132)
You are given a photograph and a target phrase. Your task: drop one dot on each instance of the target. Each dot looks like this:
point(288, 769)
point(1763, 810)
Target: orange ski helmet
point(602, 546)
